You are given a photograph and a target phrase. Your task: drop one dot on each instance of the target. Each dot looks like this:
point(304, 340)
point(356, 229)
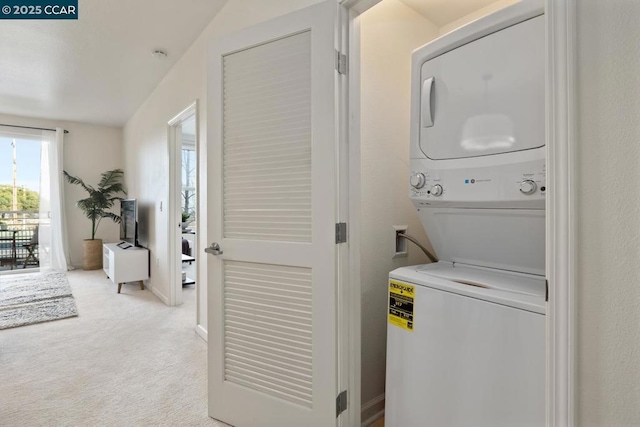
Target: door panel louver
point(267, 141)
point(268, 329)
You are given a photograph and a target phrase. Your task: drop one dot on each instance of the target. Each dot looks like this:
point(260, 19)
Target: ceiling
point(443, 12)
point(98, 69)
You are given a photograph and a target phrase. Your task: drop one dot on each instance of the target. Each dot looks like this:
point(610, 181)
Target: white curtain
point(53, 245)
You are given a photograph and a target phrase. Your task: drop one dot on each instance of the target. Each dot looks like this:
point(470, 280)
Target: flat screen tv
point(129, 222)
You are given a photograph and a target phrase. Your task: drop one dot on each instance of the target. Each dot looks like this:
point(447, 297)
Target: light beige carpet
point(127, 360)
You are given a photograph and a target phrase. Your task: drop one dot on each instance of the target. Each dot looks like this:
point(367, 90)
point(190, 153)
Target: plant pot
point(92, 254)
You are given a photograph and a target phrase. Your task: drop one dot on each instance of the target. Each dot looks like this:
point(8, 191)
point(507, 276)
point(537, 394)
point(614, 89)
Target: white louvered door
point(272, 176)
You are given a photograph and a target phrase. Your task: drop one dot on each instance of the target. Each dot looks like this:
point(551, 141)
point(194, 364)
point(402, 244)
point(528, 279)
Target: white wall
point(89, 150)
point(390, 31)
point(145, 135)
point(608, 211)
point(493, 7)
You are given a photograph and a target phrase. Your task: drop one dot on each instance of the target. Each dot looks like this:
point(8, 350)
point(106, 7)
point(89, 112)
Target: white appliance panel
point(506, 239)
point(485, 97)
point(489, 186)
point(468, 362)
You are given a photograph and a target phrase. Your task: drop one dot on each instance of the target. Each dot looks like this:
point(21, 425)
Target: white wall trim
point(184, 114)
point(561, 222)
point(202, 332)
point(174, 187)
point(351, 46)
point(357, 7)
point(372, 411)
point(157, 293)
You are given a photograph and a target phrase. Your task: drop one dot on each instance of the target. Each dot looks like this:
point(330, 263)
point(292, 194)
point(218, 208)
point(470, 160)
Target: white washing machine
point(474, 354)
point(466, 335)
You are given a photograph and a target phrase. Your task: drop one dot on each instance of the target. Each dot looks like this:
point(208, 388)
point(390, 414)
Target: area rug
point(35, 298)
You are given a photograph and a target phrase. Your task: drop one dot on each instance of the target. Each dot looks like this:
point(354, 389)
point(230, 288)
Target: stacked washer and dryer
point(466, 335)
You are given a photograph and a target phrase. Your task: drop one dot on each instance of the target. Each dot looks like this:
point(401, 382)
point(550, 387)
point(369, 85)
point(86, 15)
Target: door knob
point(214, 249)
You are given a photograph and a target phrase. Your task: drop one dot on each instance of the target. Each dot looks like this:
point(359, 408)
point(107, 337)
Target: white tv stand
point(125, 265)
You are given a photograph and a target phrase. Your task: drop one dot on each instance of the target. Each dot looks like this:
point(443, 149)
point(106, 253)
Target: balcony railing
point(19, 238)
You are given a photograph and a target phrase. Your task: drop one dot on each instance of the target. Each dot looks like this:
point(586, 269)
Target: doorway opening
point(386, 35)
point(183, 209)
point(23, 215)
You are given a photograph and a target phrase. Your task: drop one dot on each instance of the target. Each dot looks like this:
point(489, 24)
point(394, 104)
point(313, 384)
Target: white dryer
point(466, 335)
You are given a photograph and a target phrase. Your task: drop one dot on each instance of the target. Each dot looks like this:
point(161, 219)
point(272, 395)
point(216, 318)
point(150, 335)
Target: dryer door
point(485, 97)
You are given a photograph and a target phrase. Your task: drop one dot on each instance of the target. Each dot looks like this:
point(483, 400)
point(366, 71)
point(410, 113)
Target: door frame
point(560, 219)
point(561, 230)
point(174, 186)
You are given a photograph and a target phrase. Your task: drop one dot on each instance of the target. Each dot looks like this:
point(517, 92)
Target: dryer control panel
point(517, 185)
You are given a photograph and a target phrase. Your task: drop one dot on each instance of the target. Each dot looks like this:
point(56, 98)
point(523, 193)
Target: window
point(189, 182)
point(20, 167)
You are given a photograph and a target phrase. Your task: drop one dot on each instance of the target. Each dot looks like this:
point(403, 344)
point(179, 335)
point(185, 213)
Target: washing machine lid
point(504, 239)
point(517, 290)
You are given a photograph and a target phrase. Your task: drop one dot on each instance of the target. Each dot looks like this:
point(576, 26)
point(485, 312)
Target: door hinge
point(341, 63)
point(341, 403)
point(341, 232)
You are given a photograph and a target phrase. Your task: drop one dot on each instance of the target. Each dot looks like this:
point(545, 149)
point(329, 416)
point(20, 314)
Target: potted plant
point(96, 207)
point(185, 220)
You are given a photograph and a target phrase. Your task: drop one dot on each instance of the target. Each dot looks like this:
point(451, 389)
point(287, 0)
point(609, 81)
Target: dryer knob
point(436, 190)
point(528, 187)
point(417, 180)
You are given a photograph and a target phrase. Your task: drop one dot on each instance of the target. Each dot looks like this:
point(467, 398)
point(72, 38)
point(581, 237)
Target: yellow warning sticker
point(401, 297)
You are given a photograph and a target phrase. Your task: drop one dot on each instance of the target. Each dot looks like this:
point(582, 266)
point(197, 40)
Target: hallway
point(127, 359)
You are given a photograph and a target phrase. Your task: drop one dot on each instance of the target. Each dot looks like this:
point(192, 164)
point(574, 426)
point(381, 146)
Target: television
point(129, 221)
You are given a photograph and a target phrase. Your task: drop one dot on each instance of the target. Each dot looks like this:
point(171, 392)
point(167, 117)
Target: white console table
point(125, 265)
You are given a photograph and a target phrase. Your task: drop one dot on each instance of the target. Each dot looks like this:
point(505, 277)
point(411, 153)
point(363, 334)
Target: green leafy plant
point(28, 200)
point(101, 198)
point(185, 216)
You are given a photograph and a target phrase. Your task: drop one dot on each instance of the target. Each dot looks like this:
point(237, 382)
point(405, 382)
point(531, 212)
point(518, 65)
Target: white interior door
point(272, 171)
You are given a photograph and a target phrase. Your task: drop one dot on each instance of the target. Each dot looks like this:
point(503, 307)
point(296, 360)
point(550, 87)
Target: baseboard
point(372, 419)
point(202, 332)
point(157, 293)
point(372, 411)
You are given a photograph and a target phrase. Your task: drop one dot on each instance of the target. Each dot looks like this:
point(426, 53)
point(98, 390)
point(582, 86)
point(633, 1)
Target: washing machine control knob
point(417, 180)
point(528, 187)
point(436, 190)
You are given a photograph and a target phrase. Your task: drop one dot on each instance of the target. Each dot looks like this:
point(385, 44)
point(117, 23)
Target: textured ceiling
point(98, 69)
point(443, 12)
